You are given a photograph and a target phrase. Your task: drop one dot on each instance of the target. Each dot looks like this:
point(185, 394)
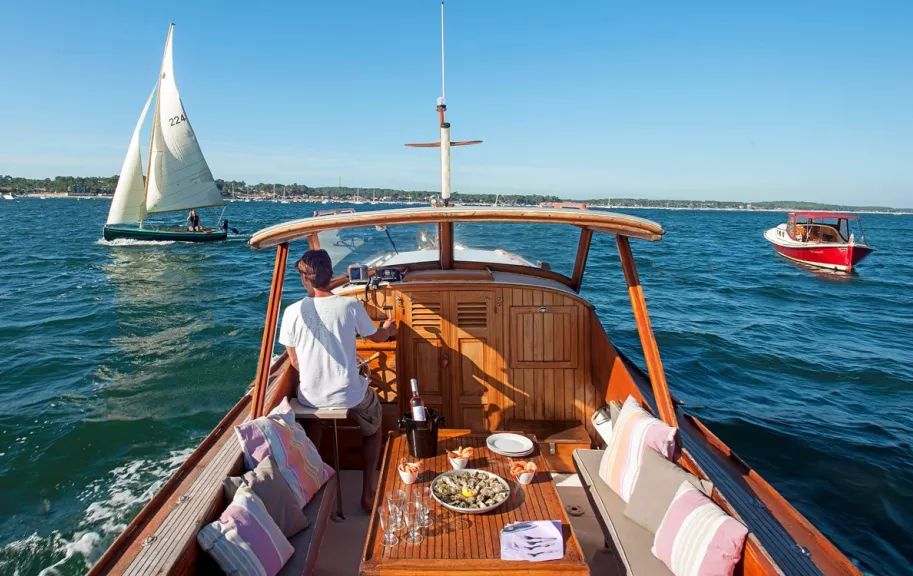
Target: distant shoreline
point(65, 196)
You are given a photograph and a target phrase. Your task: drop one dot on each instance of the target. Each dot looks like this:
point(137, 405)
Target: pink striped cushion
point(696, 538)
point(634, 431)
point(279, 436)
point(245, 540)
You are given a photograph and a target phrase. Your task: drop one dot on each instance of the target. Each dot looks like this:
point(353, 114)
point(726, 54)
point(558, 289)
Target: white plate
point(510, 444)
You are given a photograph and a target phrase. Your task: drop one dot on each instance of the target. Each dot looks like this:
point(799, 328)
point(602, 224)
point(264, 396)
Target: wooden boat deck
point(341, 550)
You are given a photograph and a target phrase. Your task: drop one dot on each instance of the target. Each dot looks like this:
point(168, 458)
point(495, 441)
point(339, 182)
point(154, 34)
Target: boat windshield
point(377, 246)
point(549, 246)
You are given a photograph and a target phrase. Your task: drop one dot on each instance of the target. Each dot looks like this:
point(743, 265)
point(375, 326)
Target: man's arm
point(387, 329)
point(292, 356)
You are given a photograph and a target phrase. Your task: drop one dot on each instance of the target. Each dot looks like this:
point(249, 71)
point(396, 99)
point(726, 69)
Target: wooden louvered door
point(471, 343)
point(423, 348)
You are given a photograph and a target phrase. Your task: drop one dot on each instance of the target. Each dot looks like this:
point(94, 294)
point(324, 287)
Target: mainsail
point(128, 204)
point(179, 178)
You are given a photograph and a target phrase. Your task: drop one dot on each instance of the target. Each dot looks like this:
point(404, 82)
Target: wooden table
point(467, 542)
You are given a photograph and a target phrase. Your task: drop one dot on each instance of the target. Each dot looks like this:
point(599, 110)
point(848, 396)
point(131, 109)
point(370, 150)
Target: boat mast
point(445, 142)
point(155, 119)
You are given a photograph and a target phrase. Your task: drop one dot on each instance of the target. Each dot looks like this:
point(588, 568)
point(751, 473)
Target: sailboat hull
point(164, 234)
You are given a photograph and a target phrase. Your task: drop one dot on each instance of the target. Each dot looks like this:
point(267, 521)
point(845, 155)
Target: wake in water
point(112, 501)
point(132, 242)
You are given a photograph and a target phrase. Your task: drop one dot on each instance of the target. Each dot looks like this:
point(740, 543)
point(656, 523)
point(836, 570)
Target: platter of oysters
point(470, 491)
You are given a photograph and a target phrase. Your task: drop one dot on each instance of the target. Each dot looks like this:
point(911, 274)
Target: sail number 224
point(175, 120)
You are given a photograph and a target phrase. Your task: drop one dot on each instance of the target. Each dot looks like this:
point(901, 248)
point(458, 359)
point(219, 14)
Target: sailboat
point(177, 176)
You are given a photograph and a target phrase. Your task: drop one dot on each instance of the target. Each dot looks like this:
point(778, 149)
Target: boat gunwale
point(606, 222)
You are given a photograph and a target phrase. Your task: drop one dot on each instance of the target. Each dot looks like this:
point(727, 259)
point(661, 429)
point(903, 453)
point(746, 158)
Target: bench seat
point(307, 542)
point(633, 542)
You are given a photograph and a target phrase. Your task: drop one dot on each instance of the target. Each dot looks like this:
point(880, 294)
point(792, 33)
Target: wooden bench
point(307, 542)
point(632, 542)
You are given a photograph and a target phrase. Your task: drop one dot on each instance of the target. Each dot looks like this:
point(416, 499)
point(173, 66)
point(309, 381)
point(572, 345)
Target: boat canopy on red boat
point(815, 215)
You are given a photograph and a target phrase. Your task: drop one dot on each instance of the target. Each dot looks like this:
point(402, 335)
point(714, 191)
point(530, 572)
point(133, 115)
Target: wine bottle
point(418, 405)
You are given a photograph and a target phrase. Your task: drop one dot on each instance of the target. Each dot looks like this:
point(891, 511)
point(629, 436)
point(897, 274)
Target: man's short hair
point(316, 267)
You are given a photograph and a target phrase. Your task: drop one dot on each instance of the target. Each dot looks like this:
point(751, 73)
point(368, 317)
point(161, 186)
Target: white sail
point(129, 202)
point(179, 178)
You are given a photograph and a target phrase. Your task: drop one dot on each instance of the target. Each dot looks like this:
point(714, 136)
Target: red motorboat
point(822, 239)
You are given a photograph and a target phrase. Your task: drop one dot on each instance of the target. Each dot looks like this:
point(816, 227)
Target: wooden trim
point(313, 241)
point(269, 332)
point(661, 393)
point(445, 240)
point(583, 250)
point(602, 221)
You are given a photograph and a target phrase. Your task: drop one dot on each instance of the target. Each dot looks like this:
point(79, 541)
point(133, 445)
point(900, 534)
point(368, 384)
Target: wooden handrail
point(269, 331)
point(661, 393)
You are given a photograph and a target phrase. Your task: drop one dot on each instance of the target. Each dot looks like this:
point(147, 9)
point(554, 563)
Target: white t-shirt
point(322, 331)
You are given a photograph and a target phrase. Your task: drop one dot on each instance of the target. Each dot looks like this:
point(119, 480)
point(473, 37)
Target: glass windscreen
point(377, 246)
point(549, 246)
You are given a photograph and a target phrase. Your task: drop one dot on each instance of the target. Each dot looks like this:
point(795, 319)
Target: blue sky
point(704, 100)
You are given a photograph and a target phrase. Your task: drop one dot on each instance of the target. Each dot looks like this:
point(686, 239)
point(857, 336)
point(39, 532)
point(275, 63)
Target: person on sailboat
point(194, 222)
point(226, 227)
point(319, 334)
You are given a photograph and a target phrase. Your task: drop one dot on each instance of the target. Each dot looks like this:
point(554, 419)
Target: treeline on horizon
point(104, 185)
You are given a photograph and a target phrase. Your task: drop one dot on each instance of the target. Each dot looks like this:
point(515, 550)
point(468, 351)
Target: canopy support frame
point(583, 250)
point(445, 242)
point(661, 393)
point(269, 332)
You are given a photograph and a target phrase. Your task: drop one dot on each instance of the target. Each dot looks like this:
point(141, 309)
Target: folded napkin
point(532, 541)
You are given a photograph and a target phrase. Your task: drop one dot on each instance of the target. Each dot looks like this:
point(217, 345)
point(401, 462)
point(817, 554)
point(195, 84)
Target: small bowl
point(458, 463)
point(526, 477)
point(408, 477)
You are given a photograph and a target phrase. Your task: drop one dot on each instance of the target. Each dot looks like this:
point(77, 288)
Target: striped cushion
point(279, 436)
point(245, 540)
point(696, 538)
point(634, 431)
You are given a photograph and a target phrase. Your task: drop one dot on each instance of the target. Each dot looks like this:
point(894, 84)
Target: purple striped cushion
point(696, 538)
point(245, 540)
point(297, 459)
point(634, 431)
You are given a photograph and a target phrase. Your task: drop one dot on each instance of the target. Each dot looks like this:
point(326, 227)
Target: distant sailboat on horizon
point(177, 178)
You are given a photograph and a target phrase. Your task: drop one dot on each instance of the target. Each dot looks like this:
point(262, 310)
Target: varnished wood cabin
point(496, 343)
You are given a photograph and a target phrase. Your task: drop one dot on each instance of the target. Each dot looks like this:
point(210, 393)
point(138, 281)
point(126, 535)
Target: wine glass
point(422, 497)
point(413, 515)
point(387, 519)
point(395, 501)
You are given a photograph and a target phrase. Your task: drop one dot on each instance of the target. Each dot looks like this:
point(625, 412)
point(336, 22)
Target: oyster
point(470, 489)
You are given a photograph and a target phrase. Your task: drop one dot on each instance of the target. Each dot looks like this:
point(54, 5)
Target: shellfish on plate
point(470, 491)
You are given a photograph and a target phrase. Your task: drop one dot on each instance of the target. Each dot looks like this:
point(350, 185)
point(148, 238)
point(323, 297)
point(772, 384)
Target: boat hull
point(163, 234)
point(842, 257)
